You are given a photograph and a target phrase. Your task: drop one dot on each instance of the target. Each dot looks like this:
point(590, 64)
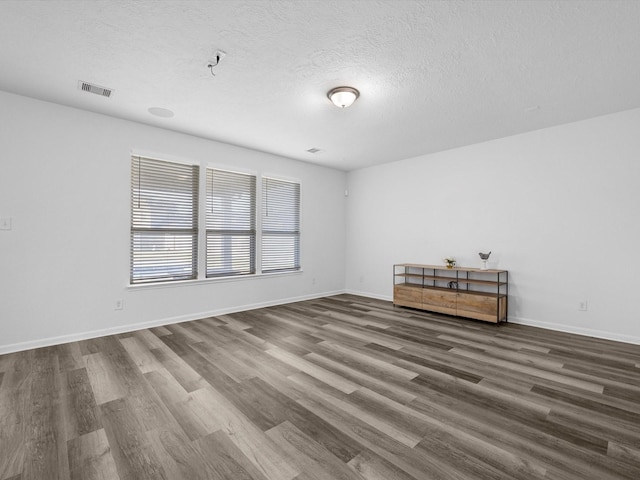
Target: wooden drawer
point(439, 300)
point(481, 306)
point(407, 296)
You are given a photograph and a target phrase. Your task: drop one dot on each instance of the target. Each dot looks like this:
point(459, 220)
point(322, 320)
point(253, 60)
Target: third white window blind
point(280, 225)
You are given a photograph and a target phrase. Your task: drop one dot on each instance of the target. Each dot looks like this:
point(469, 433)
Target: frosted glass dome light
point(343, 97)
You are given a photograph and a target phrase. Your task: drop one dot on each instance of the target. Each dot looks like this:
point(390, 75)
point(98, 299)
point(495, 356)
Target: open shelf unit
point(464, 292)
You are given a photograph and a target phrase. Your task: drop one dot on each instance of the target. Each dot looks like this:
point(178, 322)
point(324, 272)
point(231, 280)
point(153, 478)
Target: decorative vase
point(450, 265)
point(484, 257)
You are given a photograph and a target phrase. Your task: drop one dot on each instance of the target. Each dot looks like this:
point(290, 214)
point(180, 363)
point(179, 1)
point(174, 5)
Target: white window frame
point(201, 249)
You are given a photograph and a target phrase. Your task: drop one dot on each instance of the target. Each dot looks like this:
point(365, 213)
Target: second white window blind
point(231, 223)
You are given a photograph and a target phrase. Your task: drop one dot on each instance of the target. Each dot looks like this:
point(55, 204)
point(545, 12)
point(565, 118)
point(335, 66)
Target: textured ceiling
point(433, 75)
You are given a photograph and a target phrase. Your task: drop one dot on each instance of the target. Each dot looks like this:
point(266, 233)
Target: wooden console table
point(464, 292)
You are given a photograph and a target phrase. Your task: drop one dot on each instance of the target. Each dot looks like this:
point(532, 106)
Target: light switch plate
point(5, 223)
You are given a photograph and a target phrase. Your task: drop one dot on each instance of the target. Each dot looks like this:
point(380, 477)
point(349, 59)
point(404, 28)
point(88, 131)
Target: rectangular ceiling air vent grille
point(97, 89)
point(314, 150)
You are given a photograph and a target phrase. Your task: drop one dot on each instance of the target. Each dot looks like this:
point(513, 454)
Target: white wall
point(64, 181)
point(559, 208)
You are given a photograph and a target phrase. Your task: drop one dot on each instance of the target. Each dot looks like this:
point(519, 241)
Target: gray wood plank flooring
point(338, 388)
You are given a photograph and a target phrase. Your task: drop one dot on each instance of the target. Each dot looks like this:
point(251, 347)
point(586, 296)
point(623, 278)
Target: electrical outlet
point(582, 306)
point(313, 281)
point(118, 305)
point(5, 223)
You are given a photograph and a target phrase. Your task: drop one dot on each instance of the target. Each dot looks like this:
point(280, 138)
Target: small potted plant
point(450, 262)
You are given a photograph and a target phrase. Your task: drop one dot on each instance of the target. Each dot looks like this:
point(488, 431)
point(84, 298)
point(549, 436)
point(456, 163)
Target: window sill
point(203, 281)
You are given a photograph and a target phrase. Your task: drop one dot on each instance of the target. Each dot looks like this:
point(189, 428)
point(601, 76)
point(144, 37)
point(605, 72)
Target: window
point(164, 221)
point(280, 225)
point(248, 228)
point(231, 223)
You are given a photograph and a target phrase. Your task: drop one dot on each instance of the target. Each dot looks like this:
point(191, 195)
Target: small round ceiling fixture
point(160, 112)
point(343, 97)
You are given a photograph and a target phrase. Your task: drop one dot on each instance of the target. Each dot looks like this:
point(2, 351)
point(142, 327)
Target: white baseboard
point(618, 337)
point(75, 337)
point(386, 298)
point(46, 342)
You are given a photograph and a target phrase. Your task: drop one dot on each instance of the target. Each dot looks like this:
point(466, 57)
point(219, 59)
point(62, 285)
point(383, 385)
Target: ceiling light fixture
point(343, 97)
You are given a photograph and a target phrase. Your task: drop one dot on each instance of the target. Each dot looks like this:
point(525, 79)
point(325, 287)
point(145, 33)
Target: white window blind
point(280, 225)
point(231, 223)
point(164, 220)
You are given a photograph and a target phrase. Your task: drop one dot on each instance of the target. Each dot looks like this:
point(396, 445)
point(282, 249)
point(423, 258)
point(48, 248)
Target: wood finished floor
point(337, 388)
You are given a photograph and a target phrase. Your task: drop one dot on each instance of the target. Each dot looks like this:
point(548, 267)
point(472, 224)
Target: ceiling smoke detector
point(92, 88)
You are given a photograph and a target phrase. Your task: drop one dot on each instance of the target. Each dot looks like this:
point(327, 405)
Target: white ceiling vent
point(97, 89)
point(314, 150)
